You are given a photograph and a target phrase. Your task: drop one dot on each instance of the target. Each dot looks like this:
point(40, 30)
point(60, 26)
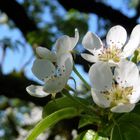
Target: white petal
point(135, 31)
point(62, 45)
point(135, 97)
point(42, 52)
point(42, 68)
point(121, 108)
point(57, 83)
point(65, 62)
point(66, 44)
point(36, 91)
point(116, 36)
point(74, 40)
point(91, 42)
point(100, 99)
point(126, 73)
point(130, 47)
point(133, 43)
point(90, 57)
point(100, 76)
point(45, 53)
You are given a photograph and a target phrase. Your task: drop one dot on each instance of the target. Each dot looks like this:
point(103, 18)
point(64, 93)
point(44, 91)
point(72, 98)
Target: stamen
point(118, 94)
point(110, 53)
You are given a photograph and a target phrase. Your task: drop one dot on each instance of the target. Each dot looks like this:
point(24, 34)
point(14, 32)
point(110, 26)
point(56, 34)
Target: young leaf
point(52, 119)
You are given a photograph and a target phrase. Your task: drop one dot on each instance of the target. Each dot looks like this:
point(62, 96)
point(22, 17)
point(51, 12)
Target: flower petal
point(57, 83)
point(136, 32)
point(112, 63)
point(121, 108)
point(46, 54)
point(62, 44)
point(100, 76)
point(116, 36)
point(126, 73)
point(135, 96)
point(42, 68)
point(130, 47)
point(100, 99)
point(65, 62)
point(36, 91)
point(74, 40)
point(90, 57)
point(91, 42)
point(66, 44)
point(133, 43)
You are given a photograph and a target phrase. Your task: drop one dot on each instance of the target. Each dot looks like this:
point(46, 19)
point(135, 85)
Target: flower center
point(118, 94)
point(110, 53)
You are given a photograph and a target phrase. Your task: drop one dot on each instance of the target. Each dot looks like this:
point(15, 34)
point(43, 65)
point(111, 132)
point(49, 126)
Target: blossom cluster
point(114, 78)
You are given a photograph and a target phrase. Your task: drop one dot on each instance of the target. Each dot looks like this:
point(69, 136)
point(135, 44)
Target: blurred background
point(25, 24)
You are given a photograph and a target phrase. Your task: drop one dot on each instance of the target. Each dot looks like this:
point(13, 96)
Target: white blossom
point(117, 47)
point(118, 90)
point(53, 68)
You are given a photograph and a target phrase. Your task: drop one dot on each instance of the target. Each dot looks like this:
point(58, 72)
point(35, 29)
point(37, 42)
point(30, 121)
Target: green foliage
point(88, 119)
point(61, 103)
point(57, 104)
point(127, 127)
point(52, 119)
point(39, 38)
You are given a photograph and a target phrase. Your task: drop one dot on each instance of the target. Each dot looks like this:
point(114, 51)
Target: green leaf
point(116, 133)
point(128, 126)
point(60, 103)
point(80, 136)
point(126, 131)
point(52, 119)
point(137, 109)
point(88, 119)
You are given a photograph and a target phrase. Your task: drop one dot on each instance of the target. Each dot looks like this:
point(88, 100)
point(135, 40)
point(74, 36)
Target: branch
point(14, 87)
point(102, 10)
point(17, 13)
